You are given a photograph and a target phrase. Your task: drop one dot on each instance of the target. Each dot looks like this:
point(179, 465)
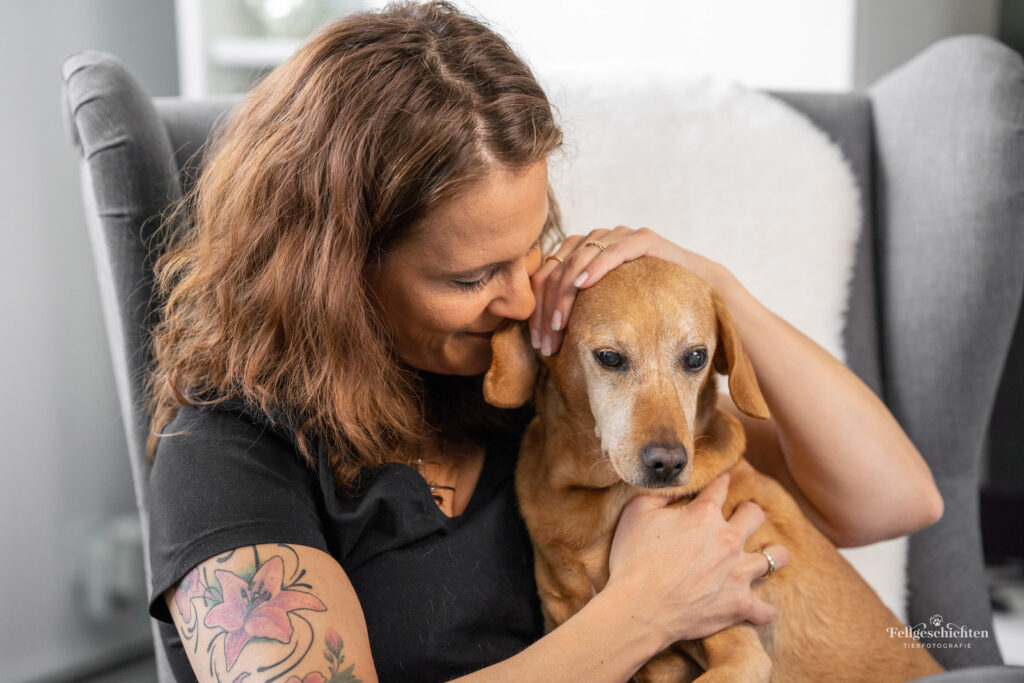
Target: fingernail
point(534, 338)
point(578, 282)
point(545, 348)
point(556, 321)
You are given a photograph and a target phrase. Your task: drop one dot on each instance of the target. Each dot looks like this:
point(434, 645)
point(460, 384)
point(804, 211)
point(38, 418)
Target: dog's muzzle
point(663, 463)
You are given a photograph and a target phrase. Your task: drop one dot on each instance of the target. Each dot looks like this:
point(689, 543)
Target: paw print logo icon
point(935, 620)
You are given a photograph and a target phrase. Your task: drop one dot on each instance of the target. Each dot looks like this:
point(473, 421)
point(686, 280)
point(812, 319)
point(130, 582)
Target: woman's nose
point(518, 301)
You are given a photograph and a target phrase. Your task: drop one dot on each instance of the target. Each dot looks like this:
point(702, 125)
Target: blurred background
point(74, 595)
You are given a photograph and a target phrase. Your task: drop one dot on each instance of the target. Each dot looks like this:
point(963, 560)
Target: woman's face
point(464, 270)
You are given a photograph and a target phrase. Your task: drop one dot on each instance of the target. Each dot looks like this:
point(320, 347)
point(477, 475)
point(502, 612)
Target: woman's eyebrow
point(470, 274)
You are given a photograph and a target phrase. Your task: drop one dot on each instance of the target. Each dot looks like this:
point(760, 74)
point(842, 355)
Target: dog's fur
point(581, 461)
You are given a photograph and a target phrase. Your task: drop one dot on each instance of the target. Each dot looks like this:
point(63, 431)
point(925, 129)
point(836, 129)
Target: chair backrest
point(914, 311)
point(133, 149)
point(938, 147)
point(949, 173)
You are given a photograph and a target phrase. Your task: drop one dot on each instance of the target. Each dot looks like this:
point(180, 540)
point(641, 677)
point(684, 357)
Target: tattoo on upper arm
point(255, 606)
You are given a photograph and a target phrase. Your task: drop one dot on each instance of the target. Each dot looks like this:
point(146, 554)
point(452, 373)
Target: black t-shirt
point(441, 596)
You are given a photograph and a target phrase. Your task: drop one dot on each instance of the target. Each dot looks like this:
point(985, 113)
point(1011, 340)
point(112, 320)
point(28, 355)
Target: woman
point(330, 498)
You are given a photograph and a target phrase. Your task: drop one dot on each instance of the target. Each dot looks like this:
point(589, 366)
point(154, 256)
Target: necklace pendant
point(444, 496)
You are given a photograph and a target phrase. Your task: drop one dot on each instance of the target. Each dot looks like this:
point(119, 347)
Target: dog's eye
point(608, 358)
point(696, 359)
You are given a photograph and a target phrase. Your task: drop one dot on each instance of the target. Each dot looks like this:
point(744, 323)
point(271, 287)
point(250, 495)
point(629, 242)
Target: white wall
point(779, 44)
point(785, 44)
point(831, 45)
point(889, 32)
point(64, 464)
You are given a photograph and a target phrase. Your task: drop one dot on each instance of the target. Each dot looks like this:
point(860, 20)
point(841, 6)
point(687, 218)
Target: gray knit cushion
point(128, 175)
point(949, 129)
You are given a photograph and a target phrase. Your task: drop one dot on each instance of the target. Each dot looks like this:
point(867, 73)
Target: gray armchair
point(938, 148)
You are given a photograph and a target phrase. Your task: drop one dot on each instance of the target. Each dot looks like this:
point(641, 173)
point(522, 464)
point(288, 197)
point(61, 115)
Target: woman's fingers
point(544, 281)
point(687, 563)
point(539, 283)
point(560, 294)
point(715, 492)
point(760, 612)
point(582, 260)
point(642, 504)
point(600, 252)
point(759, 566)
point(747, 517)
point(616, 254)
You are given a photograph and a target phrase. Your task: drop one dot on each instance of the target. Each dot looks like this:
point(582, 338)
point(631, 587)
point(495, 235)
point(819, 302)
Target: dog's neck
point(570, 473)
point(718, 448)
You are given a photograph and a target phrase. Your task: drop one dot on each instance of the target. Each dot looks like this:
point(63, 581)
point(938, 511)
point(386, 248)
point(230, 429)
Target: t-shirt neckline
point(476, 500)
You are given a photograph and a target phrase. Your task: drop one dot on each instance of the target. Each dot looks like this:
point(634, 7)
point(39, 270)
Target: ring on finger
point(771, 564)
point(556, 258)
point(596, 243)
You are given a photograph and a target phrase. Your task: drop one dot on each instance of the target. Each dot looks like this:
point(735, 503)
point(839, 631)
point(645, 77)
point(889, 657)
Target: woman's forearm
point(842, 446)
point(604, 641)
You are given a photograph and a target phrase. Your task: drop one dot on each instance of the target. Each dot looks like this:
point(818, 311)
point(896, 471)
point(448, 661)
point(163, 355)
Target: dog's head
point(637, 365)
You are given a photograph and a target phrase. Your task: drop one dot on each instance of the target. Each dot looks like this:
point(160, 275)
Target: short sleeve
point(221, 482)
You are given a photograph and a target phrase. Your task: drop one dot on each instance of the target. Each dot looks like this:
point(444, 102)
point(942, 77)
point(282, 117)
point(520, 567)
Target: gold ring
point(771, 564)
point(555, 258)
point(596, 243)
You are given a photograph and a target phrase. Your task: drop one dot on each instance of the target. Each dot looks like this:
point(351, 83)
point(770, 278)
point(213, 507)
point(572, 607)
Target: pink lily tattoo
point(189, 588)
point(257, 608)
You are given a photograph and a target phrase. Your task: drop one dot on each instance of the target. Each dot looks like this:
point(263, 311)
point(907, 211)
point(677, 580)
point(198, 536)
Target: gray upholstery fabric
point(979, 674)
point(846, 118)
point(188, 124)
point(939, 272)
point(950, 164)
point(128, 176)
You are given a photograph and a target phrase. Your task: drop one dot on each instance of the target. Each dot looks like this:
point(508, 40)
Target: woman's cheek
point(458, 312)
point(533, 262)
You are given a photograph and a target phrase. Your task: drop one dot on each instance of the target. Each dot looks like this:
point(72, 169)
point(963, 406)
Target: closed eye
point(472, 285)
point(478, 284)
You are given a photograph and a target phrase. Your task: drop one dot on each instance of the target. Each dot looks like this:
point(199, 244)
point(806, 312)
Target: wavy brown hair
point(327, 163)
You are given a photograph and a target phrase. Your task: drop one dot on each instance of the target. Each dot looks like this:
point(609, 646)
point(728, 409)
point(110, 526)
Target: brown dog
point(628, 407)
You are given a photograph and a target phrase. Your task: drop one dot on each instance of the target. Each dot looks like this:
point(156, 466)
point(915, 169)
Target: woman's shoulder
point(223, 479)
point(226, 422)
point(226, 441)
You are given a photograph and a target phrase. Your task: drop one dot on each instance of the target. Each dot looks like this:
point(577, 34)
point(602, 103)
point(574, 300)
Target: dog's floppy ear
point(514, 364)
point(730, 359)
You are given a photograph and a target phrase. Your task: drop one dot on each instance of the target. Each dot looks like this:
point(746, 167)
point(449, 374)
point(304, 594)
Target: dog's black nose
point(664, 461)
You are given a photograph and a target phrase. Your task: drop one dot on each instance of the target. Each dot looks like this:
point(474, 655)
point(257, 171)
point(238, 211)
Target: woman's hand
point(682, 568)
point(581, 261)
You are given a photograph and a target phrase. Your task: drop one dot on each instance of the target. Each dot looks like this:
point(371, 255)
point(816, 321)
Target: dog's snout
point(663, 462)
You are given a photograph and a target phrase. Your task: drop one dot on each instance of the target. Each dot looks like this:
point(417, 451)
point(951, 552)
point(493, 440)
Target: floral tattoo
point(255, 606)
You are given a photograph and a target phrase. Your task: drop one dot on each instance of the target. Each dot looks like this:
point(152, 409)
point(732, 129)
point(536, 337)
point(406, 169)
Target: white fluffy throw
point(733, 174)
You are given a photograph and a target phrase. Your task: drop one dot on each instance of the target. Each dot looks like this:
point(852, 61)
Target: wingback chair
point(938, 149)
